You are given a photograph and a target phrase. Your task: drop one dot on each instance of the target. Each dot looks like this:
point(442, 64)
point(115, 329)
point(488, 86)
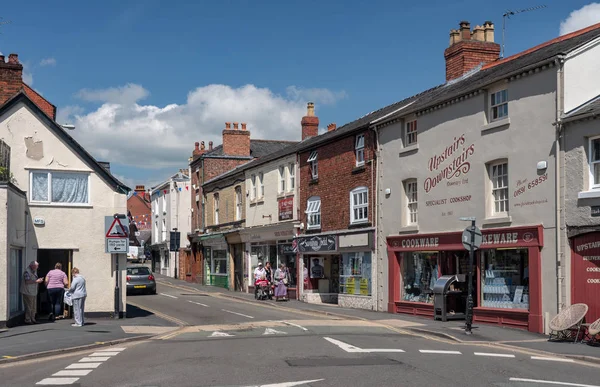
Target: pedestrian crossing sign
point(116, 230)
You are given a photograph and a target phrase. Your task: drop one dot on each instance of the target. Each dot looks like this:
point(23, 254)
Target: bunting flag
point(187, 187)
point(165, 192)
point(134, 193)
point(179, 189)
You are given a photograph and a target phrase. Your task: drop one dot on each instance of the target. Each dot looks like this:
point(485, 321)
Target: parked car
point(140, 280)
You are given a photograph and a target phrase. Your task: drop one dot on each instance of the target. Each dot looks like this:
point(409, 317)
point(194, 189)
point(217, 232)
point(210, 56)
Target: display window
point(355, 274)
point(287, 256)
point(505, 278)
point(420, 271)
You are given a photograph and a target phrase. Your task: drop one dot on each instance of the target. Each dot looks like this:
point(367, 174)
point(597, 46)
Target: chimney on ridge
point(210, 143)
point(199, 149)
point(469, 49)
point(236, 142)
point(11, 77)
point(310, 123)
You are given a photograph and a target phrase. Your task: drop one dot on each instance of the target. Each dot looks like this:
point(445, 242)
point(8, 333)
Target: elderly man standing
point(29, 289)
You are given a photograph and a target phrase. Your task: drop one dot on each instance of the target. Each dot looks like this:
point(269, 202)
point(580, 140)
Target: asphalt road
point(228, 343)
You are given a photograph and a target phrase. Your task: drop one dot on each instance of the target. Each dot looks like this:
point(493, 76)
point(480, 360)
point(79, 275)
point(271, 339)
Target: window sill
point(359, 169)
point(407, 229)
point(362, 224)
point(409, 149)
point(283, 195)
point(494, 221)
point(313, 228)
point(501, 123)
point(60, 205)
point(589, 194)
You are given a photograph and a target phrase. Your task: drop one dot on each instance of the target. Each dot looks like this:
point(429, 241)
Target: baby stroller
point(263, 290)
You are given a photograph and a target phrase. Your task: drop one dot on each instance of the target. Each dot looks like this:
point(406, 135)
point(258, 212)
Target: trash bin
point(449, 288)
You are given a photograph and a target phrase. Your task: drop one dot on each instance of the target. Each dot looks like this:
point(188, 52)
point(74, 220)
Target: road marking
point(552, 359)
point(94, 359)
point(494, 354)
point(72, 373)
point(382, 350)
point(8, 357)
point(198, 303)
point(79, 366)
point(220, 334)
point(239, 314)
point(120, 349)
point(159, 314)
point(57, 381)
point(271, 331)
point(104, 353)
point(345, 346)
point(167, 295)
point(294, 325)
point(440, 352)
point(290, 384)
point(551, 382)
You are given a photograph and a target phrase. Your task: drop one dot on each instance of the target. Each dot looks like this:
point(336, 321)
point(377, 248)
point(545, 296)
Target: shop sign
point(451, 163)
point(492, 238)
point(287, 248)
point(595, 211)
point(585, 271)
point(317, 244)
point(286, 208)
point(258, 236)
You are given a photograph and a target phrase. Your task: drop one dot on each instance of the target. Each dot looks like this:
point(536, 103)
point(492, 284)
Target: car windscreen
point(138, 271)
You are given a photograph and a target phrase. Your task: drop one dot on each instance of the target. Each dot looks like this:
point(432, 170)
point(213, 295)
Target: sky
point(143, 80)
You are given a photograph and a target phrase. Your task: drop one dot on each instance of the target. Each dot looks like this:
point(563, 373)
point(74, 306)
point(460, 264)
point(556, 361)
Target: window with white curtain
point(313, 213)
point(292, 176)
point(281, 179)
point(410, 189)
point(499, 179)
point(359, 205)
point(359, 148)
point(262, 185)
point(60, 187)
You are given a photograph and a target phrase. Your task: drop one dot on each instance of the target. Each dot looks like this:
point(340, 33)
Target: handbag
point(68, 299)
point(285, 281)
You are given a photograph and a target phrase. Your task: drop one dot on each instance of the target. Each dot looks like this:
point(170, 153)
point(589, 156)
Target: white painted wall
point(582, 75)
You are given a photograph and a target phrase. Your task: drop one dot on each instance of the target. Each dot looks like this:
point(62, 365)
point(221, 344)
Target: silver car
point(140, 280)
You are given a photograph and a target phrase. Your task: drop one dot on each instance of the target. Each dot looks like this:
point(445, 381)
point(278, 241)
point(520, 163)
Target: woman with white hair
point(29, 290)
point(78, 295)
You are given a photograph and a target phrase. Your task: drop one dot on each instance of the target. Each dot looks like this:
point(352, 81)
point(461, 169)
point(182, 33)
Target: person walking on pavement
point(29, 290)
point(79, 295)
point(56, 280)
point(281, 282)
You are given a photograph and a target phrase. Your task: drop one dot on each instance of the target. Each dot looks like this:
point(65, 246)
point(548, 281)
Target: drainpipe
point(375, 207)
point(26, 236)
point(558, 211)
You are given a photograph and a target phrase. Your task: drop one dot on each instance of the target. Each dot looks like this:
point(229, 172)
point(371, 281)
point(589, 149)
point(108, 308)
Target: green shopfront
point(216, 260)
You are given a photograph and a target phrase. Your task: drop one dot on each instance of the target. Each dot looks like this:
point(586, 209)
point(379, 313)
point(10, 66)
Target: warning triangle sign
point(116, 230)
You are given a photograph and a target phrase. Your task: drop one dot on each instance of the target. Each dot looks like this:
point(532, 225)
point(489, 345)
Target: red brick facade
point(236, 142)
point(338, 175)
point(138, 206)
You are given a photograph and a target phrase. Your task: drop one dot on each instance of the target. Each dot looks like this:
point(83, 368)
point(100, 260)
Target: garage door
point(585, 273)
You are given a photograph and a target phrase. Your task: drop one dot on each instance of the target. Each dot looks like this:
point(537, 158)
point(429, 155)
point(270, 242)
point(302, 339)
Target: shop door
point(585, 273)
point(48, 258)
point(238, 267)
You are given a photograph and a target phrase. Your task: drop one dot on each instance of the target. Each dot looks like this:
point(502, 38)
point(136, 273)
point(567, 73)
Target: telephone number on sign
point(532, 184)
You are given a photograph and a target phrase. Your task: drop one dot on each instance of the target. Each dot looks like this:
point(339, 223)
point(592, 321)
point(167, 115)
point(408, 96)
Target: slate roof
point(477, 79)
point(591, 108)
point(258, 148)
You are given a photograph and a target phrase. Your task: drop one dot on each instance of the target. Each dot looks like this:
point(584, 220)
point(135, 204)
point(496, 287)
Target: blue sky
point(143, 80)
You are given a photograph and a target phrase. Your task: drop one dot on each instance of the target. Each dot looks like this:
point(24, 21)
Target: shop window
point(355, 274)
point(60, 188)
point(314, 164)
point(410, 188)
point(313, 213)
point(359, 148)
point(287, 256)
point(505, 278)
point(219, 262)
point(594, 163)
point(419, 274)
point(359, 205)
point(15, 270)
point(499, 182)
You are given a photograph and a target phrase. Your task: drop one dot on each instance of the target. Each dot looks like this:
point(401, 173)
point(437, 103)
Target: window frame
point(492, 180)
point(216, 203)
point(591, 163)
point(292, 176)
point(253, 187)
point(359, 149)
point(238, 203)
point(282, 179)
point(492, 95)
point(410, 129)
point(261, 185)
point(412, 206)
point(356, 206)
point(313, 209)
point(313, 160)
point(58, 204)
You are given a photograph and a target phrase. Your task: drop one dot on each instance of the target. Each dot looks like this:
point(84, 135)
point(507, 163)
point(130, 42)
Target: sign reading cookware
point(317, 243)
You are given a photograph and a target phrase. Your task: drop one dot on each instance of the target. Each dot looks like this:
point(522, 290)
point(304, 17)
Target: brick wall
point(236, 142)
point(338, 175)
point(11, 77)
point(227, 205)
point(466, 55)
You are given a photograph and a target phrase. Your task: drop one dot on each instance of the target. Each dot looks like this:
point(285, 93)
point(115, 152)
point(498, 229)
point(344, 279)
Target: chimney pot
point(331, 127)
point(197, 145)
point(465, 30)
point(2, 59)
point(478, 34)
point(235, 126)
point(13, 59)
point(454, 37)
point(228, 125)
point(202, 145)
point(210, 144)
point(488, 28)
point(243, 126)
point(310, 123)
point(310, 109)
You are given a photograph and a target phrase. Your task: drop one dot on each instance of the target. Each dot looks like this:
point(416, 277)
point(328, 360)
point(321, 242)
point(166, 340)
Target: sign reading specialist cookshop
point(315, 244)
point(286, 208)
point(492, 238)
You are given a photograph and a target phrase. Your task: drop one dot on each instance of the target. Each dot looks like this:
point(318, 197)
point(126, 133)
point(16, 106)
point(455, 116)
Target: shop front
point(216, 258)
point(585, 273)
point(507, 278)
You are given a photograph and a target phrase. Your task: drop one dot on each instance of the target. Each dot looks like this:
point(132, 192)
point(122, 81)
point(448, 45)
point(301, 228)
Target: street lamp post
point(472, 240)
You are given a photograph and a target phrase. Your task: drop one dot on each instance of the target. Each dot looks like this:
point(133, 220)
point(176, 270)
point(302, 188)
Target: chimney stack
point(210, 144)
point(11, 77)
point(310, 123)
point(199, 149)
point(331, 127)
point(235, 142)
point(140, 189)
point(468, 49)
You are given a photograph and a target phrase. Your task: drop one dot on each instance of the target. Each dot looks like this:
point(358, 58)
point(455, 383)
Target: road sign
point(466, 238)
point(117, 245)
point(117, 230)
point(174, 240)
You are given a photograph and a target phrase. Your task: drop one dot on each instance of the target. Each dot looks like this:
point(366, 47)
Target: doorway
point(48, 258)
point(238, 266)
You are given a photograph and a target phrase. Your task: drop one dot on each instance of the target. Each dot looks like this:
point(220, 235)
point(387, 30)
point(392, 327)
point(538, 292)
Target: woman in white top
point(78, 295)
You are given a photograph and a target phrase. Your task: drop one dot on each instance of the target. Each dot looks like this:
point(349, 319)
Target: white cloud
point(584, 17)
point(123, 131)
point(48, 62)
point(27, 74)
point(68, 114)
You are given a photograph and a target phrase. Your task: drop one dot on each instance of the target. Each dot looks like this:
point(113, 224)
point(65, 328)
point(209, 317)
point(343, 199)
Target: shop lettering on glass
point(317, 243)
point(286, 208)
point(592, 261)
point(458, 154)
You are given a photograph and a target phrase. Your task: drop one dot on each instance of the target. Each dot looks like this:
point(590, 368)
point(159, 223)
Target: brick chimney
point(11, 77)
point(310, 123)
point(331, 127)
point(468, 49)
point(210, 144)
point(199, 149)
point(236, 142)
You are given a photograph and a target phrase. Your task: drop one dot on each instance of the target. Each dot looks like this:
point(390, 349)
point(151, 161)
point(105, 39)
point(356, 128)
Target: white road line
point(198, 303)
point(552, 359)
point(79, 366)
point(494, 354)
point(345, 346)
point(57, 381)
point(94, 359)
point(290, 384)
point(72, 373)
point(271, 331)
point(440, 352)
point(219, 334)
point(120, 349)
point(167, 295)
point(294, 325)
point(104, 353)
point(239, 314)
point(382, 350)
point(551, 382)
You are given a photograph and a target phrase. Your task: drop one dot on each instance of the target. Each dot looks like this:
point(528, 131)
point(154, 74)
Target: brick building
point(140, 217)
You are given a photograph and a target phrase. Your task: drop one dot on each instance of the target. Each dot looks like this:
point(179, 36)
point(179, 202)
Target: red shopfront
point(507, 278)
point(585, 273)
